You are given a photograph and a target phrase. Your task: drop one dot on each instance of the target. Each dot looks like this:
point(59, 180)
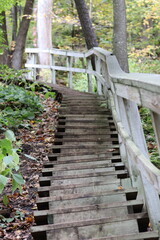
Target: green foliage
point(17, 104)
point(9, 164)
point(150, 136)
point(80, 82)
point(19, 215)
point(143, 23)
point(50, 95)
point(12, 76)
point(145, 65)
point(6, 4)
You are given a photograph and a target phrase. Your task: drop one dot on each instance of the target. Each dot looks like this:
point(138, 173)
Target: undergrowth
point(17, 104)
point(150, 136)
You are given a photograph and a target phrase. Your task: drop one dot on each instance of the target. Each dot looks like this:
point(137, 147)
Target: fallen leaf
point(111, 150)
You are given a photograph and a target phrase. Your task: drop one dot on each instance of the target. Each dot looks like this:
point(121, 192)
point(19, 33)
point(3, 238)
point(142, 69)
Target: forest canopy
point(143, 24)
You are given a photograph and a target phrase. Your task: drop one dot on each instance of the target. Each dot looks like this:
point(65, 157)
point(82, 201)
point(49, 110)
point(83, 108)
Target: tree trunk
point(86, 24)
point(120, 34)
point(127, 109)
point(14, 22)
point(22, 34)
point(4, 58)
point(44, 29)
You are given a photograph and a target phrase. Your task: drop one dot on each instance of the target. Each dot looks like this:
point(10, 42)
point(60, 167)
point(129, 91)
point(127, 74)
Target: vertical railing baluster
point(156, 126)
point(69, 65)
point(98, 69)
point(32, 59)
point(89, 67)
point(53, 71)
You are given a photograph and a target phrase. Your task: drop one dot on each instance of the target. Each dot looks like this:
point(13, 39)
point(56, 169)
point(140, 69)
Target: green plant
point(12, 76)
point(17, 104)
point(150, 136)
point(19, 215)
point(9, 164)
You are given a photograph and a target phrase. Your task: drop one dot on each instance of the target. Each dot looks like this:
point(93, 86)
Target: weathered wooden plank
point(88, 222)
point(88, 208)
point(139, 236)
point(78, 166)
point(113, 181)
point(86, 195)
point(84, 158)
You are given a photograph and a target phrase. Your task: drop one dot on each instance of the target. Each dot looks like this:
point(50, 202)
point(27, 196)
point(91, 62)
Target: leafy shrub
point(17, 104)
point(9, 164)
point(12, 76)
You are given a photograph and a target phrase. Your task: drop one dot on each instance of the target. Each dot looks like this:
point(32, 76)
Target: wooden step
point(44, 191)
point(135, 204)
point(78, 190)
point(82, 135)
point(85, 229)
point(83, 152)
point(47, 181)
point(61, 172)
point(85, 145)
point(93, 141)
point(84, 158)
point(93, 138)
point(82, 199)
point(151, 235)
point(89, 174)
point(84, 126)
point(79, 166)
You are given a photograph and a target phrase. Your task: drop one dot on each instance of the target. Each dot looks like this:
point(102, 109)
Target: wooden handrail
point(124, 91)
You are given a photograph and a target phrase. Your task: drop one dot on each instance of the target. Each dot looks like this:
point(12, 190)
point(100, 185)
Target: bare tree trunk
point(120, 33)
point(44, 29)
point(86, 24)
point(127, 109)
point(22, 34)
point(14, 22)
point(4, 58)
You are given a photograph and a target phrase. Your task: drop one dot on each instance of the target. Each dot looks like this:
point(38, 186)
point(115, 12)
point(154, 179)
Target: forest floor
point(17, 218)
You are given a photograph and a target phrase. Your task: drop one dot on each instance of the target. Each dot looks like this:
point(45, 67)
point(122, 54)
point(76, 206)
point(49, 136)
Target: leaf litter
point(36, 141)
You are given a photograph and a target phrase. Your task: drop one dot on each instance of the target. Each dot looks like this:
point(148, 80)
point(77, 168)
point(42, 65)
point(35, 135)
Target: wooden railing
point(124, 92)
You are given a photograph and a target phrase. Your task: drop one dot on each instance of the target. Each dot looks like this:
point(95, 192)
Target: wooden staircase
point(85, 190)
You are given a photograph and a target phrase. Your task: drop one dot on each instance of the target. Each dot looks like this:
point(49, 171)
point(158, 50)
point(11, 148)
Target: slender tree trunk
point(22, 34)
point(127, 109)
point(120, 33)
point(86, 24)
point(4, 58)
point(14, 22)
point(44, 29)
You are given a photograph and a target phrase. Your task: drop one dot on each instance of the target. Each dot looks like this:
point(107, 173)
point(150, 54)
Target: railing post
point(98, 69)
point(105, 76)
point(32, 59)
point(53, 71)
point(69, 65)
point(89, 66)
point(130, 118)
point(156, 126)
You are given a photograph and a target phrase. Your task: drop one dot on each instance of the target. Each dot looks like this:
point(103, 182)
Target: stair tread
point(89, 222)
point(138, 236)
point(86, 195)
point(88, 207)
point(88, 175)
point(79, 166)
point(79, 185)
point(84, 158)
